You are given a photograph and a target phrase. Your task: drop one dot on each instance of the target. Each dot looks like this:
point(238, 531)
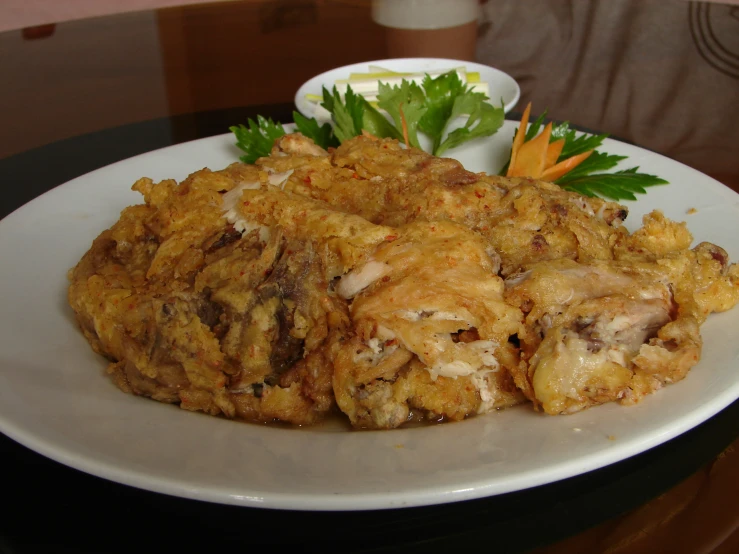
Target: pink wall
point(17, 14)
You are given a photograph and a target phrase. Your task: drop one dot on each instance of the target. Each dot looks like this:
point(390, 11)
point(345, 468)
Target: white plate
point(502, 86)
point(56, 399)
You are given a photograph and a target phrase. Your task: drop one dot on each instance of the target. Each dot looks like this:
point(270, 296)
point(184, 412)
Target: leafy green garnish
point(431, 107)
point(347, 115)
point(406, 104)
point(597, 161)
point(354, 114)
point(377, 124)
point(621, 185)
point(257, 138)
point(428, 108)
point(587, 177)
point(483, 120)
point(322, 135)
point(441, 94)
point(575, 144)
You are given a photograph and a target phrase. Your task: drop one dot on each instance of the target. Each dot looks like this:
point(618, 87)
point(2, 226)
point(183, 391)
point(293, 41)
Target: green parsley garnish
point(406, 104)
point(257, 138)
point(429, 109)
point(588, 177)
point(322, 135)
point(415, 109)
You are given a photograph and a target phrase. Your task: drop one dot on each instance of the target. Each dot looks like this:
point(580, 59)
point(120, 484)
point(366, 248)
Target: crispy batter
point(194, 313)
point(390, 285)
point(434, 282)
point(620, 329)
point(525, 220)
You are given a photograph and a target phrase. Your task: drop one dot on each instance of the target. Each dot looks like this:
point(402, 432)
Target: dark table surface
point(73, 114)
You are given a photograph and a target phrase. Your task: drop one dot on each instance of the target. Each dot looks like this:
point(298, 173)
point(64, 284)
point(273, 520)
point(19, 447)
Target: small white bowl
point(502, 86)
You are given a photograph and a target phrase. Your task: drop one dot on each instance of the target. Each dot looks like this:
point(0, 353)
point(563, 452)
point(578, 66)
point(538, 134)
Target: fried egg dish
point(390, 286)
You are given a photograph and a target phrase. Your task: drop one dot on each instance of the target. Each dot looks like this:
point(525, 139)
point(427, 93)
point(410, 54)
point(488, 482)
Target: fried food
point(193, 312)
point(390, 286)
point(524, 220)
point(431, 330)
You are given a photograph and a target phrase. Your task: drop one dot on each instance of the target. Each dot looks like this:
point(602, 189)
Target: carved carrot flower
point(558, 154)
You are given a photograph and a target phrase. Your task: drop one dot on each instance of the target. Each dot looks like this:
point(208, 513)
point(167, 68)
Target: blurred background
point(663, 74)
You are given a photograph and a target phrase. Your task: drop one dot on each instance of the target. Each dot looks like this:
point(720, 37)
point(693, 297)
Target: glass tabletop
point(80, 94)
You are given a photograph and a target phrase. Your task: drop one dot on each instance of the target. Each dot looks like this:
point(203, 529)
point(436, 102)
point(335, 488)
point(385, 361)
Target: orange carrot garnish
point(555, 172)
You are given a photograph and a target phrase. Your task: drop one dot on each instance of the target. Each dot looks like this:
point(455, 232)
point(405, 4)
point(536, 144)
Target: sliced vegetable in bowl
point(369, 84)
point(502, 89)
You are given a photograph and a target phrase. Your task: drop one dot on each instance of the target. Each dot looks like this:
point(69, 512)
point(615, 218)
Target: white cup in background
point(429, 28)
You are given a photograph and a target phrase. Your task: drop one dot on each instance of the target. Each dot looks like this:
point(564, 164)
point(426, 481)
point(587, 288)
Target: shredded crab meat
point(378, 350)
point(460, 359)
point(356, 281)
point(584, 205)
point(278, 179)
point(230, 210)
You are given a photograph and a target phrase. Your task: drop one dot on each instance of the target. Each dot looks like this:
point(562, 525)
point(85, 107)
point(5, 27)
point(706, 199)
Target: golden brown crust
point(371, 280)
